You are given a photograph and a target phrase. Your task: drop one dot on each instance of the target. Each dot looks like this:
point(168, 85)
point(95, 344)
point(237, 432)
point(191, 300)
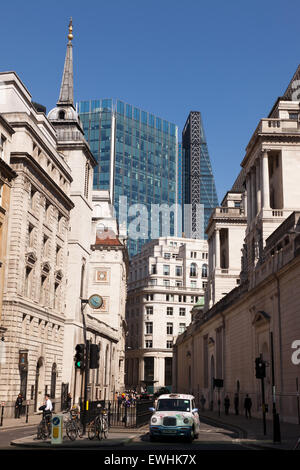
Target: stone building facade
point(261, 314)
point(55, 254)
point(35, 276)
point(166, 280)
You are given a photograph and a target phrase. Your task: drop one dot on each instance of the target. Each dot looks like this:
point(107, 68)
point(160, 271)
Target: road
point(210, 438)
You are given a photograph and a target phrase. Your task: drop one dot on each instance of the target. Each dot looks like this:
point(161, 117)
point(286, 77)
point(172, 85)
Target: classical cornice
point(44, 146)
point(17, 157)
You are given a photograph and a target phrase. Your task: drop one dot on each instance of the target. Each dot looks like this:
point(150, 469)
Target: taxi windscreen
point(173, 404)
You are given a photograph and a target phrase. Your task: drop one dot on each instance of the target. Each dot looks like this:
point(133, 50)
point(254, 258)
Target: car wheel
point(191, 436)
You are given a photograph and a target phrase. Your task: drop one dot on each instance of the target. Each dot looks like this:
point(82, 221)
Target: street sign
point(57, 429)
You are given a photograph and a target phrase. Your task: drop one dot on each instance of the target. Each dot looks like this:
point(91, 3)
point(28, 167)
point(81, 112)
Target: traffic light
point(79, 356)
point(94, 356)
point(260, 368)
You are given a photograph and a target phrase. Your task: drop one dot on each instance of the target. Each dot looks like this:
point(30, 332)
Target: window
point(166, 283)
point(181, 328)
point(182, 298)
point(178, 283)
point(204, 270)
point(293, 115)
point(2, 142)
point(149, 297)
point(193, 254)
point(169, 344)
point(149, 328)
point(166, 270)
point(178, 271)
point(30, 235)
point(193, 284)
point(148, 343)
point(193, 270)
point(182, 312)
point(153, 269)
point(169, 297)
point(149, 310)
point(169, 328)
point(169, 310)
point(167, 255)
point(153, 282)
point(204, 285)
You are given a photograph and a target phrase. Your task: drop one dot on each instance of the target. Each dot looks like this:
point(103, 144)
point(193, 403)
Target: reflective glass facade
point(136, 153)
point(198, 184)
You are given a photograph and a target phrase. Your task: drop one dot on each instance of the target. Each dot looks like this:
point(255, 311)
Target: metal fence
point(119, 415)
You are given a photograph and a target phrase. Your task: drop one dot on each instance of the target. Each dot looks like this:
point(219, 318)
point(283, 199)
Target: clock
point(95, 301)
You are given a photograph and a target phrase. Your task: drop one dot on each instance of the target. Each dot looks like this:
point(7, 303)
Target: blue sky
point(228, 59)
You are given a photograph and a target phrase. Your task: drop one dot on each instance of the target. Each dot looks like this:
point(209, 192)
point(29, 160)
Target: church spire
point(66, 95)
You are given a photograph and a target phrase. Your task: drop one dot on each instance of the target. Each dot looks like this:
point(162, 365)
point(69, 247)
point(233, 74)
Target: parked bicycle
point(44, 427)
point(73, 425)
point(99, 425)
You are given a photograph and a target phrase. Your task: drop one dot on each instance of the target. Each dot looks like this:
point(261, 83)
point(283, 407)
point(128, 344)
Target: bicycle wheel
point(80, 428)
point(71, 430)
point(91, 430)
point(105, 428)
point(99, 428)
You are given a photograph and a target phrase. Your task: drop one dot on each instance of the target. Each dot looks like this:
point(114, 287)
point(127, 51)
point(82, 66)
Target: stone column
point(265, 180)
point(217, 248)
point(253, 193)
point(258, 185)
point(248, 188)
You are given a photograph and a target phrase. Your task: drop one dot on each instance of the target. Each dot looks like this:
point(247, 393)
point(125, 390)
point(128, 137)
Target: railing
point(120, 415)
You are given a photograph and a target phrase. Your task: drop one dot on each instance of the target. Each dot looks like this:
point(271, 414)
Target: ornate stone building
point(55, 253)
point(35, 275)
point(261, 314)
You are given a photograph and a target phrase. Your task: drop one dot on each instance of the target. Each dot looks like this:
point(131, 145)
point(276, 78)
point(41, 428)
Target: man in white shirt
point(48, 403)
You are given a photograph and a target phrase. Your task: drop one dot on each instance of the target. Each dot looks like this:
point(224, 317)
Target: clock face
point(95, 301)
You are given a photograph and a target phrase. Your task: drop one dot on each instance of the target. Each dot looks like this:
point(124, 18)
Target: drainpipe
point(280, 337)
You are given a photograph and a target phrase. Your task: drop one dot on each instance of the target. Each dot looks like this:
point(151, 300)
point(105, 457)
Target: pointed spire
point(66, 96)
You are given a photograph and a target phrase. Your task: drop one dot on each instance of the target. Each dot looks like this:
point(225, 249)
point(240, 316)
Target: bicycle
point(44, 427)
point(99, 425)
point(73, 425)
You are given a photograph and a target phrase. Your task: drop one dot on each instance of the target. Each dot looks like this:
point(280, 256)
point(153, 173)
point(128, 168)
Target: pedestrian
point(247, 406)
point(48, 407)
point(236, 403)
point(226, 404)
point(19, 403)
point(202, 401)
point(69, 401)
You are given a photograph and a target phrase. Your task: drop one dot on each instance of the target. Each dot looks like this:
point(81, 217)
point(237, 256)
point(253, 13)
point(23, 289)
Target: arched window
point(204, 270)
point(193, 270)
point(53, 380)
point(61, 115)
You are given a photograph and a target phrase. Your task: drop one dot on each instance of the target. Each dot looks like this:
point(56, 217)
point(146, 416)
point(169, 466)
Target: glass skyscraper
point(137, 156)
point(198, 184)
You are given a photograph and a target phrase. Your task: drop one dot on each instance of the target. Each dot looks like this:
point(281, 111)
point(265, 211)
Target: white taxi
point(175, 415)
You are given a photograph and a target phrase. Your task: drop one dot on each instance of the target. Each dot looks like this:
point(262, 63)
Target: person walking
point(19, 403)
point(227, 404)
point(202, 401)
point(236, 403)
point(247, 406)
point(69, 401)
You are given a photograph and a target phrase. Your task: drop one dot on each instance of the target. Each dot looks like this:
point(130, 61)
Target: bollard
point(27, 412)
point(2, 411)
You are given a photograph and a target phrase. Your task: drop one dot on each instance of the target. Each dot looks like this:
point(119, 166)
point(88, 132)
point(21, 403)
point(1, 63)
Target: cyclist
point(48, 409)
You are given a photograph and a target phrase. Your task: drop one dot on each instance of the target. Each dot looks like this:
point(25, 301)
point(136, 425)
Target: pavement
point(251, 430)
point(117, 436)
